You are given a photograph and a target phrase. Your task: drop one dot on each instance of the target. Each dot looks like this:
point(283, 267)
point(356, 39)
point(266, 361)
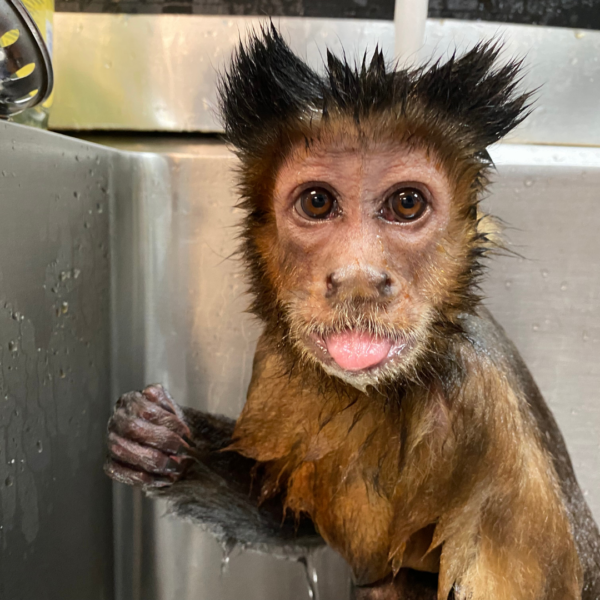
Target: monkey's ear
point(266, 83)
point(477, 93)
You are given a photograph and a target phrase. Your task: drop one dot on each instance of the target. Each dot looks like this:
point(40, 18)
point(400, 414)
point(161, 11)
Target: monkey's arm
point(177, 453)
point(489, 337)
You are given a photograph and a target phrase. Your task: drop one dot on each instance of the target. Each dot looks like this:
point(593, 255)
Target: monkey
point(388, 414)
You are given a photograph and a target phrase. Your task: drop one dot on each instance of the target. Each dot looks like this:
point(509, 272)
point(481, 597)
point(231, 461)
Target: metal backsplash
point(158, 72)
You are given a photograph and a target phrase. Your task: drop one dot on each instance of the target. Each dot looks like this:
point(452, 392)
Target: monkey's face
point(369, 247)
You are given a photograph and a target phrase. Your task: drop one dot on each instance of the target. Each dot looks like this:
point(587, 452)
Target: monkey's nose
point(365, 282)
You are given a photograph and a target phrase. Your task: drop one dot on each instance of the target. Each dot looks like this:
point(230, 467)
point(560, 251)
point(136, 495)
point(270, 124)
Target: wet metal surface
point(158, 72)
point(562, 65)
point(548, 299)
point(55, 503)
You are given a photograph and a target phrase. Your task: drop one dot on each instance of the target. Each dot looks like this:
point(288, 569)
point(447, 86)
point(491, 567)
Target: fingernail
point(183, 449)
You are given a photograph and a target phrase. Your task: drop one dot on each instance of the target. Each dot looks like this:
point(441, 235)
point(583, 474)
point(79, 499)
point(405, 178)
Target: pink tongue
point(355, 351)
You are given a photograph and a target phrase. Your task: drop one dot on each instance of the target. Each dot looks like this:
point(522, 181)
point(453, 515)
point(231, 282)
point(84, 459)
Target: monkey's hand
point(179, 454)
point(149, 442)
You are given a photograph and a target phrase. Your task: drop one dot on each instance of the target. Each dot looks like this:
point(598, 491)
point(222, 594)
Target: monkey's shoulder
point(494, 349)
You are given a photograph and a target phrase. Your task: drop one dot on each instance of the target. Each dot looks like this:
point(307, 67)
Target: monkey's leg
point(176, 453)
point(407, 585)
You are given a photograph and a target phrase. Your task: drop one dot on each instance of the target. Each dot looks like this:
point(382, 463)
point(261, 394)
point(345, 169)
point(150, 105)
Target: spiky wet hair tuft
point(268, 87)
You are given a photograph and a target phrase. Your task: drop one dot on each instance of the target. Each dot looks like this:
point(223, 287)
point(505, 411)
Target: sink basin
point(116, 270)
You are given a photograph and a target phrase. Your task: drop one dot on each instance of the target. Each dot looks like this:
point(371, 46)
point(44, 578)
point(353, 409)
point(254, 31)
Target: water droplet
point(563, 286)
point(528, 182)
point(8, 481)
point(535, 327)
point(227, 547)
point(579, 35)
point(224, 564)
point(13, 346)
point(16, 316)
point(11, 462)
point(64, 308)
point(39, 446)
point(62, 374)
point(65, 275)
point(76, 273)
point(76, 195)
point(312, 580)
point(99, 208)
point(585, 336)
point(86, 224)
point(544, 273)
point(508, 284)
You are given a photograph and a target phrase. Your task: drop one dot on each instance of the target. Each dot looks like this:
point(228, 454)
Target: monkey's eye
point(315, 203)
point(405, 204)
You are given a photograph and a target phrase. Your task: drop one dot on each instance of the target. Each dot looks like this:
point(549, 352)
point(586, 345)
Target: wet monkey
point(388, 415)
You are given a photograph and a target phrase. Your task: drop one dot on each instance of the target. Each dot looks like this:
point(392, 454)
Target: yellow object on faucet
point(42, 12)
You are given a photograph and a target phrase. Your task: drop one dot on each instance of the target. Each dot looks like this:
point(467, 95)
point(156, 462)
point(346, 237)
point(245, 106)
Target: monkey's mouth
point(356, 351)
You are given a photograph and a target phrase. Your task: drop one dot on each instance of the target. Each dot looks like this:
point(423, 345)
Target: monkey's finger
point(157, 393)
point(119, 472)
point(134, 404)
point(145, 458)
point(147, 433)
